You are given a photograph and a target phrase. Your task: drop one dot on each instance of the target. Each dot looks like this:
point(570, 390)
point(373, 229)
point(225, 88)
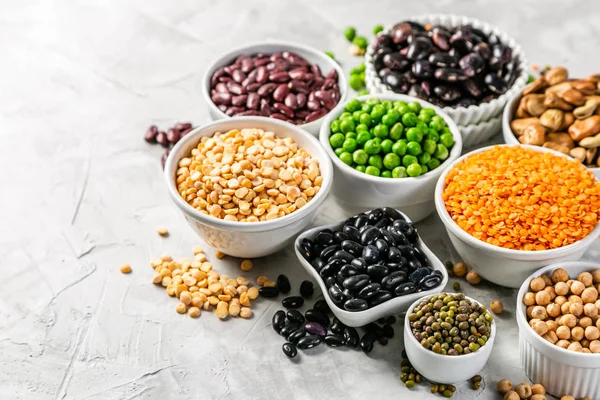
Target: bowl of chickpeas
point(558, 314)
point(248, 185)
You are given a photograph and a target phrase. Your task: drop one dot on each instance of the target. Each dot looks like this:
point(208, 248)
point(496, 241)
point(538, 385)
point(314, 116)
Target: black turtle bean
point(398, 236)
point(325, 238)
point(330, 281)
point(306, 249)
point(337, 326)
point(315, 315)
point(377, 271)
point(283, 284)
point(352, 233)
point(308, 342)
point(413, 265)
point(278, 320)
point(315, 328)
point(317, 264)
point(388, 330)
point(355, 305)
point(382, 223)
point(342, 255)
point(421, 256)
point(351, 337)
point(382, 246)
point(334, 340)
point(322, 307)
point(382, 340)
point(388, 237)
point(375, 215)
point(391, 281)
point(289, 328)
point(340, 236)
point(331, 268)
point(349, 270)
point(268, 291)
point(359, 264)
point(336, 293)
point(405, 288)
point(296, 335)
point(374, 328)
point(369, 235)
point(307, 289)
point(367, 342)
point(394, 254)
point(356, 282)
point(289, 350)
point(419, 274)
point(370, 254)
point(339, 278)
point(294, 316)
point(379, 297)
point(352, 247)
point(292, 302)
point(430, 282)
point(361, 220)
point(328, 252)
point(369, 291)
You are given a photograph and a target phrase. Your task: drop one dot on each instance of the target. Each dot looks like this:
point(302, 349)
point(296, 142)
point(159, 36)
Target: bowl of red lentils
point(558, 313)
point(248, 185)
point(512, 209)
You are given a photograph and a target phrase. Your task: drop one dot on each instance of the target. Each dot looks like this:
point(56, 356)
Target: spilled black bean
point(294, 316)
point(289, 350)
point(315, 315)
point(308, 342)
point(307, 289)
point(268, 291)
point(334, 340)
point(296, 335)
point(278, 320)
point(292, 302)
point(283, 284)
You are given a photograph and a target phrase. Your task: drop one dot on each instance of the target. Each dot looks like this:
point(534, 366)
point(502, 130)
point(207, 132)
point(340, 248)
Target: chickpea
point(537, 284)
point(512, 395)
point(561, 288)
point(459, 269)
point(559, 275)
point(181, 308)
point(504, 386)
point(563, 332)
point(575, 299)
point(523, 390)
point(537, 397)
point(577, 288)
point(538, 389)
point(246, 313)
point(591, 310)
point(567, 398)
point(551, 337)
point(269, 283)
point(552, 325)
point(260, 281)
point(589, 295)
point(550, 290)
point(252, 293)
point(595, 346)
point(473, 277)
point(529, 311)
point(194, 312)
point(560, 300)
point(547, 279)
point(529, 299)
point(565, 307)
point(585, 343)
point(563, 343)
point(497, 307)
point(576, 309)
point(568, 320)
point(539, 327)
point(542, 298)
point(591, 333)
point(585, 278)
point(577, 333)
point(584, 322)
point(553, 310)
point(539, 312)
point(575, 346)
point(596, 276)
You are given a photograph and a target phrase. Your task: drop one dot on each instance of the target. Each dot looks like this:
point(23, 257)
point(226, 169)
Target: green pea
point(350, 33)
point(409, 119)
point(353, 105)
point(362, 138)
point(356, 82)
point(424, 169)
point(336, 140)
point(386, 174)
point(365, 118)
point(414, 134)
point(346, 158)
point(432, 135)
point(423, 158)
point(429, 146)
point(377, 28)
point(441, 152)
point(414, 106)
point(371, 170)
point(377, 140)
point(413, 170)
point(447, 139)
point(399, 172)
point(396, 131)
point(347, 125)
point(367, 107)
point(360, 157)
point(403, 109)
point(409, 160)
point(445, 130)
point(381, 131)
point(437, 123)
point(362, 128)
point(373, 100)
point(387, 105)
point(391, 161)
point(334, 126)
point(400, 147)
point(427, 111)
point(360, 168)
point(362, 92)
point(386, 146)
point(399, 103)
point(343, 115)
point(349, 145)
point(424, 117)
point(330, 54)
point(372, 146)
point(360, 69)
point(391, 117)
point(377, 112)
point(433, 164)
point(338, 151)
point(356, 116)
point(376, 161)
point(351, 135)
point(414, 148)
point(360, 41)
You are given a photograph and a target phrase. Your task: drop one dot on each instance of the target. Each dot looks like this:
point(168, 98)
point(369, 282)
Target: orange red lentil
point(522, 199)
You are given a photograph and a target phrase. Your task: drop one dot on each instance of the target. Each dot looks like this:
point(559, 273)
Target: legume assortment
point(248, 176)
point(522, 199)
point(390, 139)
point(282, 85)
point(526, 391)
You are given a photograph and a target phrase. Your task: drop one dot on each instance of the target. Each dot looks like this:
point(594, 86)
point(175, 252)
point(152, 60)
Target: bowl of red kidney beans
point(466, 66)
point(282, 80)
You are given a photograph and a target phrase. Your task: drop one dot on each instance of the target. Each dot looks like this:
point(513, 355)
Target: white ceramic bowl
point(461, 115)
point(249, 239)
point(560, 371)
point(505, 267)
point(440, 368)
point(360, 191)
point(310, 54)
point(393, 306)
point(476, 134)
point(507, 133)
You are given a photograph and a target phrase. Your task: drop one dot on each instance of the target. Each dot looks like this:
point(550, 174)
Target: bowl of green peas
point(389, 149)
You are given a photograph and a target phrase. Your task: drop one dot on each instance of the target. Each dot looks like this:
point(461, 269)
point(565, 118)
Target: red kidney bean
point(163, 158)
point(261, 61)
point(302, 114)
point(279, 77)
point(238, 76)
point(247, 65)
point(285, 110)
point(253, 101)
point(333, 75)
point(270, 66)
point(253, 87)
point(151, 133)
point(229, 69)
point(298, 73)
point(266, 89)
point(239, 100)
point(279, 116)
point(235, 88)
point(185, 132)
point(234, 110)
point(275, 57)
point(180, 126)
point(216, 75)
point(335, 95)
point(298, 86)
point(221, 98)
point(222, 107)
point(248, 113)
point(308, 77)
point(317, 83)
point(225, 79)
point(316, 70)
point(161, 138)
point(311, 96)
point(315, 115)
point(280, 92)
point(173, 135)
point(221, 88)
point(239, 59)
point(252, 75)
point(328, 84)
point(262, 75)
point(313, 105)
point(291, 101)
point(301, 100)
point(265, 108)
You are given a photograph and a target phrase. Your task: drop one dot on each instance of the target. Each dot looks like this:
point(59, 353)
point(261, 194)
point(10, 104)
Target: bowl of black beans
point(371, 265)
point(448, 337)
point(463, 65)
point(275, 79)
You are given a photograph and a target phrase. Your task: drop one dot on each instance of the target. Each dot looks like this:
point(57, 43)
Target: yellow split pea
point(248, 176)
point(522, 199)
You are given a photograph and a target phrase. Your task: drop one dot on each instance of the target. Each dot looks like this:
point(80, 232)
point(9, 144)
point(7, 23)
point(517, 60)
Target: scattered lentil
point(522, 199)
point(194, 312)
point(125, 269)
point(260, 281)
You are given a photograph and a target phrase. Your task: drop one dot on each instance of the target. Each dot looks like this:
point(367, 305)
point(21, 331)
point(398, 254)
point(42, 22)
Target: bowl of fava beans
point(248, 185)
point(389, 149)
point(559, 328)
point(280, 80)
point(511, 209)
